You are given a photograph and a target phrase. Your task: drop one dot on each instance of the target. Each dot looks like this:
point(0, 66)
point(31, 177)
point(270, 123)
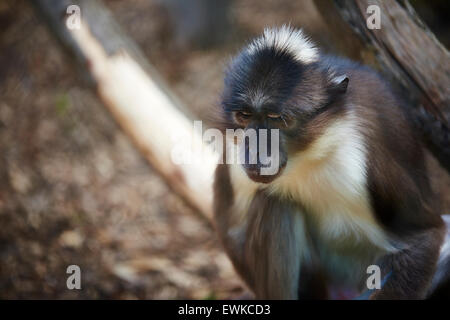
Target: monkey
point(351, 188)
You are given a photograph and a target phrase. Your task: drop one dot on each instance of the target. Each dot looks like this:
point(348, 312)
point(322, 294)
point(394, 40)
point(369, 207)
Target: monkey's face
point(254, 100)
point(261, 143)
point(284, 101)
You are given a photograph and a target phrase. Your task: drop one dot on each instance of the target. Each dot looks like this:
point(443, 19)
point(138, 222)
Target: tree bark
point(407, 53)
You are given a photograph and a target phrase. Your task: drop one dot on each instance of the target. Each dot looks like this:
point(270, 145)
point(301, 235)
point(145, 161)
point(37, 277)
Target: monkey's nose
point(253, 168)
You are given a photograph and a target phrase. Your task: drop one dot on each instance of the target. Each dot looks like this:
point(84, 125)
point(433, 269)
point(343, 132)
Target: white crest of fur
point(286, 38)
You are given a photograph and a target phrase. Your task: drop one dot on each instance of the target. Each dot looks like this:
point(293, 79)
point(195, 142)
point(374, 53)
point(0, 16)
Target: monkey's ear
point(339, 84)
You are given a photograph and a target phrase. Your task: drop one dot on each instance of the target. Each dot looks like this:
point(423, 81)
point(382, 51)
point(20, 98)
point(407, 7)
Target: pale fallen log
point(135, 96)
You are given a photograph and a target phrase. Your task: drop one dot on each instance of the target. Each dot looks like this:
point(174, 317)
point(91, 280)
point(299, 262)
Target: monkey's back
point(397, 177)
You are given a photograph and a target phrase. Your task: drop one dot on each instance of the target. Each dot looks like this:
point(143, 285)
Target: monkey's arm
point(266, 245)
point(412, 268)
point(409, 212)
point(276, 247)
point(406, 206)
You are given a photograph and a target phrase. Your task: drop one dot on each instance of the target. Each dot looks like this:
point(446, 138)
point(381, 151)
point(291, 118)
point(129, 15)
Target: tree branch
point(408, 54)
point(134, 94)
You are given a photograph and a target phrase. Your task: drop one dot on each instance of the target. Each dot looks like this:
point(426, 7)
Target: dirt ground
point(73, 190)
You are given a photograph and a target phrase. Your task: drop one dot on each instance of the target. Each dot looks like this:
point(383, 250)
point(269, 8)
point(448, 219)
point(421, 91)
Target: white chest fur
point(329, 180)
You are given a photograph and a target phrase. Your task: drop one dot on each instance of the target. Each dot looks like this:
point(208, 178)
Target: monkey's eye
point(244, 114)
point(279, 119)
point(274, 116)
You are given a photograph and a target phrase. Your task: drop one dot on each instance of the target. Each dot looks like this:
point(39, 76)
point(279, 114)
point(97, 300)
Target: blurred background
point(73, 189)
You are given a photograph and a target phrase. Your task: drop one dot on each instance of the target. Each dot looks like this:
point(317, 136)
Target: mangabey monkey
point(351, 189)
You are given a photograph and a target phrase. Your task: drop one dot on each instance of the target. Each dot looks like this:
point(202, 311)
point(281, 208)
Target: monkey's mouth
point(254, 173)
